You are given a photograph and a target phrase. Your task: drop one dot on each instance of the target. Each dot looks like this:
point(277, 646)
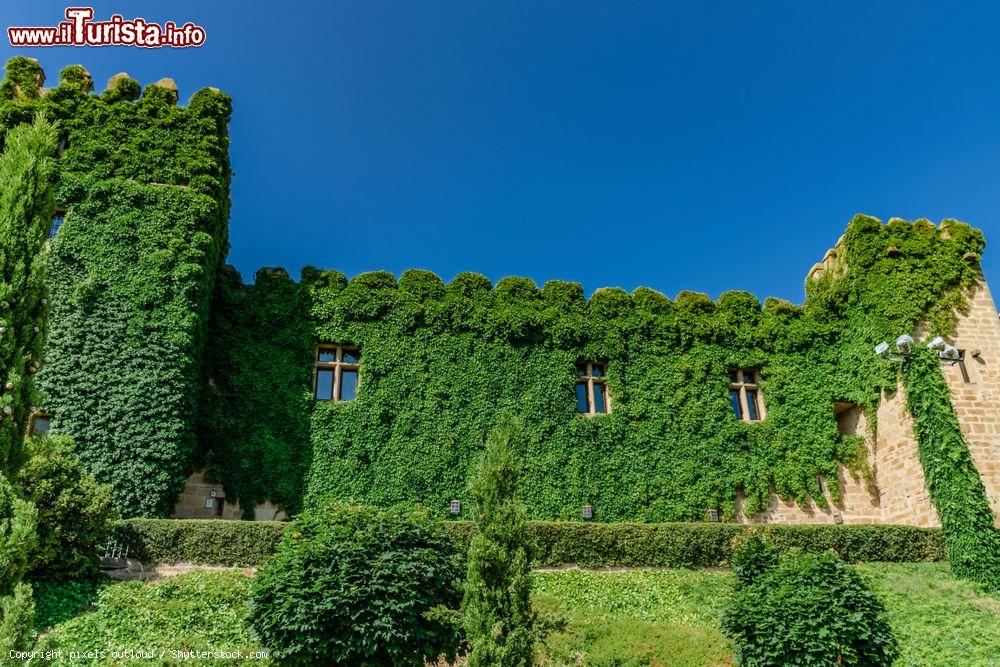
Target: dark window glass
point(600, 405)
point(581, 370)
point(752, 414)
point(598, 370)
point(57, 221)
point(749, 377)
point(41, 426)
point(348, 385)
point(351, 357)
point(324, 385)
point(963, 368)
point(581, 398)
point(734, 400)
point(733, 377)
point(326, 355)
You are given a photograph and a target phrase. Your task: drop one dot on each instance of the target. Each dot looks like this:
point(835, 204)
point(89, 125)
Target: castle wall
point(902, 496)
point(193, 503)
point(899, 495)
point(977, 401)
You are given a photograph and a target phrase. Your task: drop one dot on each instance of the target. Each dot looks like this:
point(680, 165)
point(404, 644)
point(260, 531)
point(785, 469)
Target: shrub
point(354, 585)
point(753, 553)
point(57, 601)
point(17, 619)
point(807, 609)
point(499, 620)
point(75, 517)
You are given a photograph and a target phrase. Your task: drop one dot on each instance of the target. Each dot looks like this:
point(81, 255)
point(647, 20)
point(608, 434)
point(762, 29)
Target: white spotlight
point(904, 343)
point(937, 343)
point(882, 350)
point(950, 353)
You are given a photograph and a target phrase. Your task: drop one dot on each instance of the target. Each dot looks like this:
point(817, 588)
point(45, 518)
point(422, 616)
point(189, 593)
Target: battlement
point(25, 81)
point(894, 242)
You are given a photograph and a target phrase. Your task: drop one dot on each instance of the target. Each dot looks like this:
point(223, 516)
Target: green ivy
point(131, 272)
point(956, 490)
point(440, 362)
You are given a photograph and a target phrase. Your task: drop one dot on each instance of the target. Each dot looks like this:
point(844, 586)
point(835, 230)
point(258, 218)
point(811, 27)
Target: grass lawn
point(612, 618)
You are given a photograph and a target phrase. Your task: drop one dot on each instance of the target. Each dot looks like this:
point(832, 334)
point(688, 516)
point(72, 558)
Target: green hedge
point(205, 542)
point(248, 543)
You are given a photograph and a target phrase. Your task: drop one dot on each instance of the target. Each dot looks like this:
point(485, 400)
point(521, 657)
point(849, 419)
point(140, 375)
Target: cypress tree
point(27, 203)
point(17, 538)
point(499, 621)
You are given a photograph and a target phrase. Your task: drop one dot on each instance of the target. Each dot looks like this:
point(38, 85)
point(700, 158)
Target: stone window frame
point(34, 419)
point(742, 381)
point(338, 366)
point(592, 381)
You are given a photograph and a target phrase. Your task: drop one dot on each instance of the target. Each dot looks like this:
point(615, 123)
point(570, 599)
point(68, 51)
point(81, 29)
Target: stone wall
point(207, 500)
point(977, 401)
point(901, 497)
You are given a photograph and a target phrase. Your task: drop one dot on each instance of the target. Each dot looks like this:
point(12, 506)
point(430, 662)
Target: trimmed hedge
point(200, 541)
point(249, 543)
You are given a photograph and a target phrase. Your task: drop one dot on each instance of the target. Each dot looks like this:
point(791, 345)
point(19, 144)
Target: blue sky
point(706, 146)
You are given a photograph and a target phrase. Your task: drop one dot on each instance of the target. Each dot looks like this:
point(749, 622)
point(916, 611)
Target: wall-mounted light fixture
point(713, 515)
point(455, 508)
point(588, 512)
point(905, 343)
point(209, 503)
point(950, 353)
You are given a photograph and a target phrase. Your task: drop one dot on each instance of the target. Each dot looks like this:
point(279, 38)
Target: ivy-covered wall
point(439, 362)
point(160, 361)
point(145, 185)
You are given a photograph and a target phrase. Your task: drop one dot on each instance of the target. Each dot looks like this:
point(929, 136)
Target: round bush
point(753, 553)
point(808, 609)
point(75, 515)
point(358, 586)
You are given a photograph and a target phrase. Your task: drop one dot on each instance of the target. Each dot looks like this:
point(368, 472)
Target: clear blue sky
point(706, 146)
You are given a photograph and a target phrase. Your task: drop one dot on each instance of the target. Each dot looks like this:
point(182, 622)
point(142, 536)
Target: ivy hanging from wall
point(145, 185)
point(439, 362)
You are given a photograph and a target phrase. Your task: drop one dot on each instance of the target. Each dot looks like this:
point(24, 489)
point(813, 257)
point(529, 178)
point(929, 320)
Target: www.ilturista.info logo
point(81, 30)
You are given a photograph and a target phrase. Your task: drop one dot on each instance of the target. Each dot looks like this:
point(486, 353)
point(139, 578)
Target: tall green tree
point(27, 203)
point(499, 621)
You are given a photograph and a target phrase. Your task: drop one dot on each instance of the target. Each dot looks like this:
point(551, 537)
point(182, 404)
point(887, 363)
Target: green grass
point(938, 619)
point(612, 618)
point(633, 618)
point(196, 611)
